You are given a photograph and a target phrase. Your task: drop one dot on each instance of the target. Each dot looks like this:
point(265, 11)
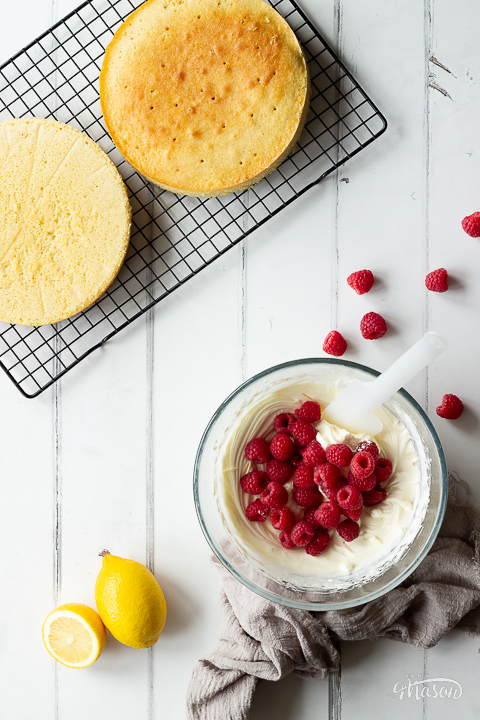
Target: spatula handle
point(404, 369)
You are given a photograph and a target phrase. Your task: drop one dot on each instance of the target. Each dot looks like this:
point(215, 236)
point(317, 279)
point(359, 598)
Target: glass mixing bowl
point(262, 580)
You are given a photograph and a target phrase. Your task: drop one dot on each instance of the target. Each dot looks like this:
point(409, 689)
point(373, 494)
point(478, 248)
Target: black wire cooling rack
point(173, 237)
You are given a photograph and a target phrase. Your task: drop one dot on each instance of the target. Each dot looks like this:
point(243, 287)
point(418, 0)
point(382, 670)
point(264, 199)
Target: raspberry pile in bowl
point(330, 488)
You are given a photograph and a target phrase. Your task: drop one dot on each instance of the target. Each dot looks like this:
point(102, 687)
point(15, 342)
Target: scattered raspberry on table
point(334, 344)
point(361, 281)
point(451, 407)
point(373, 326)
point(471, 224)
point(437, 280)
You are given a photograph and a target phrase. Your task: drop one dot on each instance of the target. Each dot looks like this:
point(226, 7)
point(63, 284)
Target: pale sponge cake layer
point(64, 221)
point(204, 97)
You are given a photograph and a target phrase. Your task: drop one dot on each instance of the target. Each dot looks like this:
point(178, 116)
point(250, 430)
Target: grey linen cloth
point(260, 639)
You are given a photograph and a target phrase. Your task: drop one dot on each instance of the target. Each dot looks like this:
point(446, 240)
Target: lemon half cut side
point(74, 635)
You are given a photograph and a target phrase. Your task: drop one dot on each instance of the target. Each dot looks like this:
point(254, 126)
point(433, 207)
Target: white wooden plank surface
point(27, 498)
point(110, 451)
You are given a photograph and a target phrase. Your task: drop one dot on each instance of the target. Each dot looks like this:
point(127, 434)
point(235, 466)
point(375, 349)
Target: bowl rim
point(318, 607)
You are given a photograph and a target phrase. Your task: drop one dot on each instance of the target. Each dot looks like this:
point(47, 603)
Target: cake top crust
point(203, 95)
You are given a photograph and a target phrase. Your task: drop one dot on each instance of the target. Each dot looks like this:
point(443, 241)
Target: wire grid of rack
point(173, 237)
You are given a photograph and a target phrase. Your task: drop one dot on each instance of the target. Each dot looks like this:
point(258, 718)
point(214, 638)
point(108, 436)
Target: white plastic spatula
point(353, 408)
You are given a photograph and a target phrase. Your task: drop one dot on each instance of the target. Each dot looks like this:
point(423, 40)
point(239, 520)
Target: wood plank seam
point(56, 409)
point(427, 129)
point(335, 679)
point(150, 461)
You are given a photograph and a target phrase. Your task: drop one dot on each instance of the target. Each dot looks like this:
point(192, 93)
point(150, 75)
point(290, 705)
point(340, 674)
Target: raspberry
point(318, 543)
point(254, 483)
point(362, 484)
point(436, 281)
point(362, 464)
point(282, 519)
point(361, 281)
point(302, 533)
point(471, 224)
point(310, 411)
point(330, 488)
point(374, 497)
point(303, 477)
point(257, 511)
point(305, 497)
point(368, 446)
point(278, 470)
point(282, 422)
point(282, 447)
point(326, 472)
point(383, 470)
point(274, 495)
point(353, 513)
point(334, 344)
point(258, 450)
point(302, 432)
point(296, 459)
point(314, 454)
point(339, 455)
point(286, 540)
point(349, 498)
point(373, 326)
point(348, 530)
point(328, 515)
point(309, 516)
point(451, 407)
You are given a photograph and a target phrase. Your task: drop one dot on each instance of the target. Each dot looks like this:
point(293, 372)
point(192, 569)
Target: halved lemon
point(74, 635)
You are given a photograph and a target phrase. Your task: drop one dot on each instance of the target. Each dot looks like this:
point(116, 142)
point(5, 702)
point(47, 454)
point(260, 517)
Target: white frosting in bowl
point(386, 530)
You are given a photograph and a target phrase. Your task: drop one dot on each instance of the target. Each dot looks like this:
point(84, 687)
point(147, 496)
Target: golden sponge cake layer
point(64, 221)
point(204, 97)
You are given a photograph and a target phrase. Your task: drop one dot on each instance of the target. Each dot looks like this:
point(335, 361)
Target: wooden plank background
point(105, 458)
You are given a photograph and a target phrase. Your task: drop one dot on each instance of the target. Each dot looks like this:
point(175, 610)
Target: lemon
point(74, 635)
point(130, 601)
